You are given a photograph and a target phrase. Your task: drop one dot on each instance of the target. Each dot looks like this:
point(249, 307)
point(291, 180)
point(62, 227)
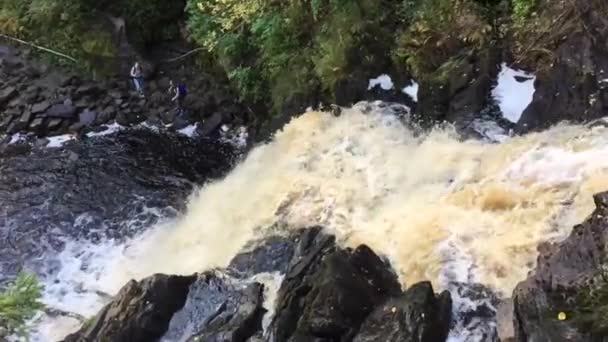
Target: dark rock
point(316, 299)
point(168, 116)
point(218, 310)
point(122, 119)
point(40, 107)
point(54, 123)
point(14, 127)
point(86, 89)
point(416, 316)
point(459, 88)
point(140, 312)
point(564, 270)
point(82, 104)
point(75, 127)
point(87, 117)
point(25, 118)
point(31, 72)
point(5, 122)
point(7, 94)
point(61, 111)
point(16, 102)
point(36, 125)
point(273, 254)
point(158, 97)
point(212, 124)
point(572, 86)
point(115, 94)
point(106, 115)
point(65, 80)
point(31, 94)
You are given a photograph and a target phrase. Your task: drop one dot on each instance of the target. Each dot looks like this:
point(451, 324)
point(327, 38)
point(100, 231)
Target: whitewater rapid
point(439, 207)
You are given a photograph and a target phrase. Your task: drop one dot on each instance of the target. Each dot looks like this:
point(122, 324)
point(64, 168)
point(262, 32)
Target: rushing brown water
point(440, 208)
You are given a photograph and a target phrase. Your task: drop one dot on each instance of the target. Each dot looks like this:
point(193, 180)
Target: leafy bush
point(272, 50)
point(18, 303)
point(522, 9)
point(439, 31)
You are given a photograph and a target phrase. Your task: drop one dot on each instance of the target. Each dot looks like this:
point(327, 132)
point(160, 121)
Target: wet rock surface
point(140, 311)
point(565, 272)
point(48, 101)
point(100, 188)
point(218, 309)
point(328, 294)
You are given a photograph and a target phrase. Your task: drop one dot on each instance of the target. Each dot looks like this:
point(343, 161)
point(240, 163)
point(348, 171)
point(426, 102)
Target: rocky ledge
point(327, 294)
point(46, 101)
point(566, 297)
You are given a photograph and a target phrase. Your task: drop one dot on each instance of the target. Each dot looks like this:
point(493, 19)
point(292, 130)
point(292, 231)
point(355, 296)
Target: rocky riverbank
point(44, 100)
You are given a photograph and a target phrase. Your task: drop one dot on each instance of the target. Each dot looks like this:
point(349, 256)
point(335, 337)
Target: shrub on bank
point(19, 302)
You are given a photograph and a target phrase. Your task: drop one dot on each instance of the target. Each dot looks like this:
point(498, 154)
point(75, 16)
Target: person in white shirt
point(138, 78)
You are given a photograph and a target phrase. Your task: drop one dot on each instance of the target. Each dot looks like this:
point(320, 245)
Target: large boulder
point(64, 111)
point(460, 88)
point(218, 309)
point(552, 304)
point(7, 94)
point(140, 312)
point(329, 292)
point(416, 316)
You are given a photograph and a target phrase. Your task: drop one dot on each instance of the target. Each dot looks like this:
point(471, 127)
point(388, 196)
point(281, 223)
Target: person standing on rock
point(179, 94)
point(138, 78)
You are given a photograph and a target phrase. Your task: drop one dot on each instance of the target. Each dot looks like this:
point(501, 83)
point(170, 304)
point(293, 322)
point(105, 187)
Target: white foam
point(59, 140)
point(189, 131)
point(511, 95)
point(111, 129)
point(553, 166)
point(238, 139)
point(412, 90)
point(384, 81)
point(149, 126)
point(272, 283)
point(17, 137)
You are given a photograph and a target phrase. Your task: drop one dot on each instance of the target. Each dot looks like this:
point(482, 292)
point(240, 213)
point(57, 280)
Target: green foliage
point(592, 308)
point(522, 9)
point(283, 48)
point(246, 82)
point(440, 30)
point(19, 302)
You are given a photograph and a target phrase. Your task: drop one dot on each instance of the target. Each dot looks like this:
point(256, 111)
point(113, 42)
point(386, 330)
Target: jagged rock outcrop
point(328, 294)
point(140, 312)
point(566, 274)
point(416, 315)
point(573, 85)
point(218, 309)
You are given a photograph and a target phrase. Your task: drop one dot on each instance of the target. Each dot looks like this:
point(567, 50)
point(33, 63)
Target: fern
point(19, 302)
